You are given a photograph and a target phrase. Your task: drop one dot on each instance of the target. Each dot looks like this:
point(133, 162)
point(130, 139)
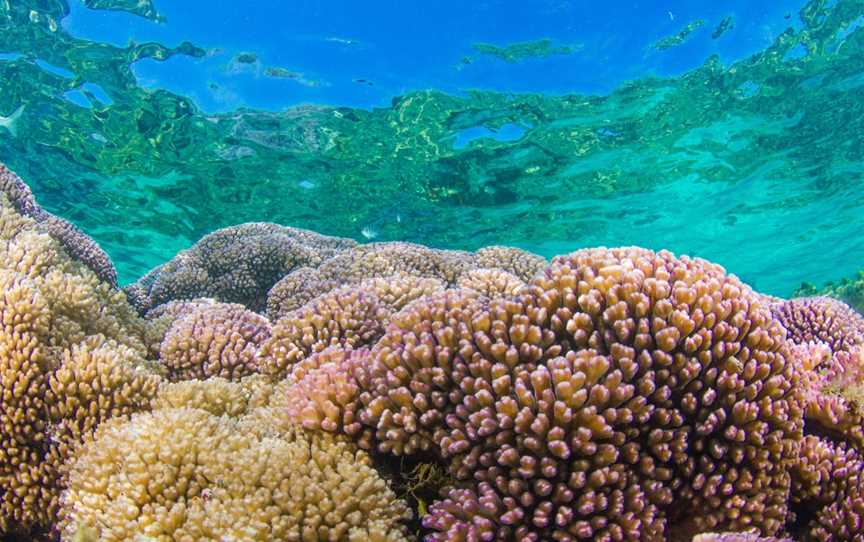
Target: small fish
point(364, 82)
point(369, 232)
point(307, 184)
point(671, 16)
point(343, 41)
point(10, 122)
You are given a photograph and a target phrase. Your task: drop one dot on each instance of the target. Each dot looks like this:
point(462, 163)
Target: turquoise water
point(732, 135)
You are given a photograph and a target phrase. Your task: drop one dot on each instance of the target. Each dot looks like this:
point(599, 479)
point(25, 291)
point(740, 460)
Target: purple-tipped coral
point(238, 264)
point(79, 246)
point(823, 319)
point(221, 340)
point(827, 484)
point(625, 394)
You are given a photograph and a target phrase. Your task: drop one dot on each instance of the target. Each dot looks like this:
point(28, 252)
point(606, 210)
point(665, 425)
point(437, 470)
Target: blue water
point(404, 46)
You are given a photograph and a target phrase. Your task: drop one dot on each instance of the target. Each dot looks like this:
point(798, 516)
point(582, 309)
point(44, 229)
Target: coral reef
point(402, 392)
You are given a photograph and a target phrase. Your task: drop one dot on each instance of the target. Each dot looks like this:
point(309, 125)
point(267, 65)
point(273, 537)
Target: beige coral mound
point(216, 395)
point(95, 381)
point(184, 474)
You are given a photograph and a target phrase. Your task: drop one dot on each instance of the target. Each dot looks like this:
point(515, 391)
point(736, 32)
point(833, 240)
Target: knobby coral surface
point(348, 317)
point(822, 319)
point(238, 264)
point(623, 395)
point(221, 340)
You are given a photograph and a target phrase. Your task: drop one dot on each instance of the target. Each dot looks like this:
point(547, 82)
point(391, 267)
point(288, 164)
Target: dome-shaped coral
point(325, 390)
point(184, 474)
point(625, 394)
point(214, 340)
point(238, 264)
point(491, 283)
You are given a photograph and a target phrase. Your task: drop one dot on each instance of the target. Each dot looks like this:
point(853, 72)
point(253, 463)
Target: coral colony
point(272, 383)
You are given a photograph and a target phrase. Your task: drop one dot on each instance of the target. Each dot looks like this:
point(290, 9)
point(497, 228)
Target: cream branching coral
point(97, 380)
point(217, 395)
point(72, 354)
point(185, 474)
